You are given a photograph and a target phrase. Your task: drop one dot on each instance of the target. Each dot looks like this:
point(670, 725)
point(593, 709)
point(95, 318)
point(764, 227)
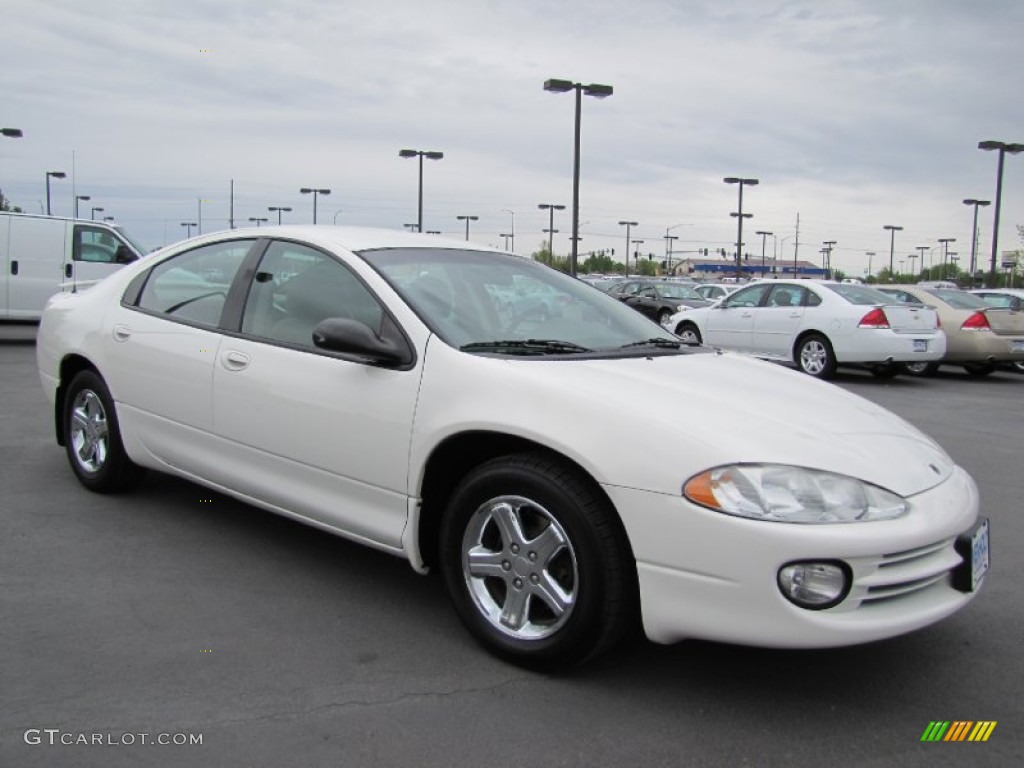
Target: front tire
point(689, 334)
point(815, 357)
point(92, 437)
point(536, 562)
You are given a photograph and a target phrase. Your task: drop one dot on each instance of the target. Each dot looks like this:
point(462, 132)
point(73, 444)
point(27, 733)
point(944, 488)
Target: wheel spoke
point(506, 517)
point(551, 592)
point(484, 562)
point(79, 420)
point(547, 545)
point(513, 612)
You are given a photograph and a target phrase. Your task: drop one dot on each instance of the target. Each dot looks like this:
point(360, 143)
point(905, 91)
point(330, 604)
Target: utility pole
point(796, 247)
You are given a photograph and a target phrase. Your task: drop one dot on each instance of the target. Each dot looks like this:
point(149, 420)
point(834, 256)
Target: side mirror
point(341, 334)
point(124, 255)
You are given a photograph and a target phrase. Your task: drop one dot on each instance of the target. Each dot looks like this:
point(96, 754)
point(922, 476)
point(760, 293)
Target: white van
point(44, 255)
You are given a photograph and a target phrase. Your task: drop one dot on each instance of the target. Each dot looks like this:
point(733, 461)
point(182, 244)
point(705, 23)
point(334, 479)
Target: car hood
point(653, 422)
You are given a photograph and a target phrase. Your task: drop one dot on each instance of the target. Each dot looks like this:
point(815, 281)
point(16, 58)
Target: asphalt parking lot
point(179, 612)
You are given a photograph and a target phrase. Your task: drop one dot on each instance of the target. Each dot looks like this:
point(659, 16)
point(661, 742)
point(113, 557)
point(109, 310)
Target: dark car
point(658, 299)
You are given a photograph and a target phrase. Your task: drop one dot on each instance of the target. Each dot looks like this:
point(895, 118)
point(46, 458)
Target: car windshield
point(957, 298)
point(498, 303)
point(859, 294)
point(678, 291)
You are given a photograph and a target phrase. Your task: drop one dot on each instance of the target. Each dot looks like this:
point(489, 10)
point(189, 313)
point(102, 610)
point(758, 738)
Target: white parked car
point(715, 291)
point(817, 325)
point(363, 382)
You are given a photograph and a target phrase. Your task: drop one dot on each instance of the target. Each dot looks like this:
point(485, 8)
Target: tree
point(5, 205)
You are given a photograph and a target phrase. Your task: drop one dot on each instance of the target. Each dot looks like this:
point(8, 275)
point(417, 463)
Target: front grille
point(899, 575)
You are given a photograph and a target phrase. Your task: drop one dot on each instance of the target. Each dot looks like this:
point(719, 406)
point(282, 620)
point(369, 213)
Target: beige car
point(979, 337)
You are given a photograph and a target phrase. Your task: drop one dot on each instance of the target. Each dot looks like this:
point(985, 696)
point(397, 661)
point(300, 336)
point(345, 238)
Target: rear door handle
point(67, 270)
point(235, 361)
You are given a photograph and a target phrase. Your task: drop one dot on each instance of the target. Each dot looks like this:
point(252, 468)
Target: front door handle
point(67, 270)
point(122, 333)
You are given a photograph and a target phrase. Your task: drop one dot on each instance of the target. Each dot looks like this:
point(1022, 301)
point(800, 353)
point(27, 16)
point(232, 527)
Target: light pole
point(974, 233)
point(77, 198)
point(828, 257)
point(49, 175)
point(258, 220)
point(764, 244)
point(628, 225)
point(512, 231)
point(920, 250)
point(945, 241)
point(188, 227)
point(1003, 148)
point(314, 192)
point(507, 238)
point(467, 219)
point(739, 219)
point(636, 255)
point(893, 229)
point(598, 92)
point(93, 214)
point(551, 208)
point(278, 208)
point(871, 256)
point(669, 240)
point(431, 155)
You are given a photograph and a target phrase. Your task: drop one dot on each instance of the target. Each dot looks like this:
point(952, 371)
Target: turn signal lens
point(976, 322)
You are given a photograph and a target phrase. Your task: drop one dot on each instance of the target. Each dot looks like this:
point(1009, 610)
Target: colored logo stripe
point(958, 730)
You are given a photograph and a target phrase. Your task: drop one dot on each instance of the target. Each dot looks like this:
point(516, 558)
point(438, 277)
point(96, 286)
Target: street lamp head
point(14, 133)
point(972, 201)
point(738, 180)
point(598, 91)
point(83, 197)
point(558, 86)
point(629, 223)
point(433, 155)
point(893, 227)
point(56, 174)
point(407, 153)
point(305, 191)
point(745, 215)
point(467, 218)
point(1013, 149)
point(552, 206)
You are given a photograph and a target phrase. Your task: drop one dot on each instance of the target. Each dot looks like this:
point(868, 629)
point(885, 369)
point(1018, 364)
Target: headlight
point(792, 495)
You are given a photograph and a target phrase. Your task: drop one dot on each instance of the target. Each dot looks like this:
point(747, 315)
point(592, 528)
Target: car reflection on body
point(979, 336)
point(818, 325)
point(379, 394)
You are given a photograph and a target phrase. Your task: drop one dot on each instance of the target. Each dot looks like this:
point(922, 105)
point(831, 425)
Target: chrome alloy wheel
point(689, 336)
point(813, 357)
point(90, 438)
point(520, 567)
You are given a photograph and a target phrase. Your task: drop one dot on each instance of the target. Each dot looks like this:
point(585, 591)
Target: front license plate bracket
point(973, 547)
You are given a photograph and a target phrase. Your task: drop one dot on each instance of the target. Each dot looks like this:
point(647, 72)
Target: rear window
point(957, 298)
point(858, 294)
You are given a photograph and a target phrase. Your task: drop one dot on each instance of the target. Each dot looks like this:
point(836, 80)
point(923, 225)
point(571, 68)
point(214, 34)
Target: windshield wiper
point(654, 342)
point(526, 346)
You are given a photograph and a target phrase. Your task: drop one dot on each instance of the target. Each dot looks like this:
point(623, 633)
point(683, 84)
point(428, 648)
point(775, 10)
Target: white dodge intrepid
point(406, 392)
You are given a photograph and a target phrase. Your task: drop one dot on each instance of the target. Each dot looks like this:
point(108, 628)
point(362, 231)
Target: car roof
point(349, 237)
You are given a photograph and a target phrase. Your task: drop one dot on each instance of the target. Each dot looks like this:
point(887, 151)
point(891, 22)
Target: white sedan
point(364, 382)
point(818, 325)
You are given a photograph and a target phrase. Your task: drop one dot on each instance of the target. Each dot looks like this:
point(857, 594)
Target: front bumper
point(707, 575)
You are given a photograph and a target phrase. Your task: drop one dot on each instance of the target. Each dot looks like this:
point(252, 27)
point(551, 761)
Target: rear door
point(36, 247)
point(778, 322)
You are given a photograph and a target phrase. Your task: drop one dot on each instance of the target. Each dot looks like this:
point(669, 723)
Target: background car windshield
point(859, 294)
point(476, 297)
point(678, 291)
point(957, 298)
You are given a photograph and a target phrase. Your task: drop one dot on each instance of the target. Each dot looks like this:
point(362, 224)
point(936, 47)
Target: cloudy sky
point(853, 114)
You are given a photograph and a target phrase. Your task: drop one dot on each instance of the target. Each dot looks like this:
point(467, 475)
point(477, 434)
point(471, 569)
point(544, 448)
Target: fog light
point(814, 585)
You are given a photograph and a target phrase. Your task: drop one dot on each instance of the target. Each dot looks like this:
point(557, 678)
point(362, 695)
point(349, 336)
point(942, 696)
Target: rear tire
point(814, 356)
point(92, 437)
point(536, 563)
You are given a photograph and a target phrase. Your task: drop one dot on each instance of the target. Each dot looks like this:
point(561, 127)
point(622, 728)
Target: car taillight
point(976, 322)
point(874, 319)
